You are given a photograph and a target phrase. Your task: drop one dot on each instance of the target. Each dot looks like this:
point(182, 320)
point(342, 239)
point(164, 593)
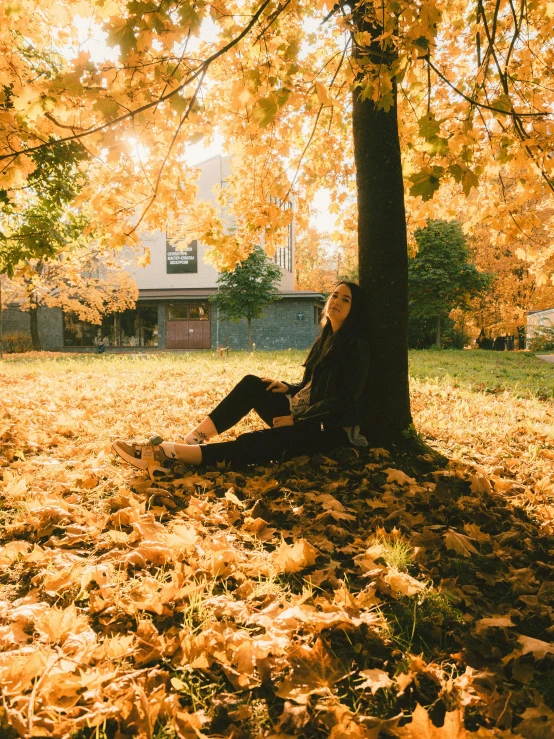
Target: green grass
point(486, 371)
point(520, 373)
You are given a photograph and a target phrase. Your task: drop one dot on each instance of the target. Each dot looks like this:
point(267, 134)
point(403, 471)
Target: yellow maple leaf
point(421, 726)
point(296, 557)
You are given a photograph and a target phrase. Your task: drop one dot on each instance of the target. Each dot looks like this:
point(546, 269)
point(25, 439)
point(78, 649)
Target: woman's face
point(338, 306)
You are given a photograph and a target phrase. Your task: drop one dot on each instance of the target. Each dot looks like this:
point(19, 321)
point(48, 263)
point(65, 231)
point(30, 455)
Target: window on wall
point(180, 312)
point(318, 313)
point(283, 255)
point(78, 333)
point(136, 327)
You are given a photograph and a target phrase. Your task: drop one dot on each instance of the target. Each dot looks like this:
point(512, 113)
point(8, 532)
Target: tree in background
point(83, 282)
point(38, 221)
point(517, 287)
point(442, 275)
point(315, 261)
point(244, 291)
point(50, 252)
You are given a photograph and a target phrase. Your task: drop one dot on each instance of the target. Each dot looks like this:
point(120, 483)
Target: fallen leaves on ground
point(365, 594)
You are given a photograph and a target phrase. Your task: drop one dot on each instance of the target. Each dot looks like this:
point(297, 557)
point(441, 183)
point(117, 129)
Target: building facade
point(540, 323)
point(173, 310)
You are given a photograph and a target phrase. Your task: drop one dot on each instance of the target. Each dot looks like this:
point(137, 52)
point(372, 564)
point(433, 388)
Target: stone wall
point(50, 325)
point(287, 323)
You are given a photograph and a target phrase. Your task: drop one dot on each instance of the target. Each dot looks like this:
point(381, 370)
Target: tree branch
point(164, 162)
point(538, 114)
point(199, 71)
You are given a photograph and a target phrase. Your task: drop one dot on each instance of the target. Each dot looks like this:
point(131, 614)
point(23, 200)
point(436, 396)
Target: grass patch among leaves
point(358, 595)
point(518, 373)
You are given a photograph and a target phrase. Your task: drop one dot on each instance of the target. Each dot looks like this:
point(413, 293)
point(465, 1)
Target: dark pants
point(273, 444)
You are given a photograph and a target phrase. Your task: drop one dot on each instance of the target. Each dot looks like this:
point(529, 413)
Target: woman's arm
point(275, 386)
point(353, 366)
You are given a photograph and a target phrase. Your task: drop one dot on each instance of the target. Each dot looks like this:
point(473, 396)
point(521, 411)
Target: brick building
point(173, 309)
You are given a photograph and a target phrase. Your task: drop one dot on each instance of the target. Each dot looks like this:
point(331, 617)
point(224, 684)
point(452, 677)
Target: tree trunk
point(35, 338)
point(383, 260)
point(438, 337)
point(249, 334)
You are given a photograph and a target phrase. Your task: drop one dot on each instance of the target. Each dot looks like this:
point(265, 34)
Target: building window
point(318, 313)
point(180, 312)
point(177, 313)
point(283, 255)
point(136, 327)
point(78, 333)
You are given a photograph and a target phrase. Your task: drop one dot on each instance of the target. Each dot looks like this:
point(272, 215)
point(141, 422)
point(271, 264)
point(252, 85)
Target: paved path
point(546, 357)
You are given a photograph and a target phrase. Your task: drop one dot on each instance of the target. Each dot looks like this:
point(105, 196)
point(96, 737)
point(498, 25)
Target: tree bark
point(383, 260)
point(438, 337)
point(35, 337)
point(249, 334)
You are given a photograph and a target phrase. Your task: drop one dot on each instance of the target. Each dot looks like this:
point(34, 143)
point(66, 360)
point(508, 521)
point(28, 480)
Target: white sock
point(168, 448)
point(195, 438)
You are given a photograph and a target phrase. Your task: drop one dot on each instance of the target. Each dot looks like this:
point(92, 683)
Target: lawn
point(521, 373)
point(404, 593)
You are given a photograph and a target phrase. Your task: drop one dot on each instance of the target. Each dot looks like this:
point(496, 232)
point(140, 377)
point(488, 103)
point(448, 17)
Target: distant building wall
point(537, 320)
point(50, 325)
point(287, 323)
point(213, 172)
point(155, 275)
point(14, 320)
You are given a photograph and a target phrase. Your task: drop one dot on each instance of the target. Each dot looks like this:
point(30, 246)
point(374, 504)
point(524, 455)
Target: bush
point(542, 339)
point(422, 333)
point(15, 342)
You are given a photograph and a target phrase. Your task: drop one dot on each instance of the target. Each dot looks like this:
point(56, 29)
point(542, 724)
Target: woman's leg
point(256, 447)
point(274, 444)
point(204, 431)
point(249, 394)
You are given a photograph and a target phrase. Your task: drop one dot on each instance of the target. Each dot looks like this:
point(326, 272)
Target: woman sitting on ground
point(318, 414)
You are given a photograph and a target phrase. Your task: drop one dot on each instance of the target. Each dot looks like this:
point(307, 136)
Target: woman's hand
point(275, 386)
point(282, 421)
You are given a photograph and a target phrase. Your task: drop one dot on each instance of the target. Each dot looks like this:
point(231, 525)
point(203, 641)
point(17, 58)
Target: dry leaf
point(375, 680)
point(402, 583)
point(538, 648)
point(460, 543)
point(296, 557)
point(479, 484)
point(501, 622)
point(421, 726)
point(401, 478)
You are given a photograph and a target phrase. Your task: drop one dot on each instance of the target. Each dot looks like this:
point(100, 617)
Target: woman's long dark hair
point(355, 324)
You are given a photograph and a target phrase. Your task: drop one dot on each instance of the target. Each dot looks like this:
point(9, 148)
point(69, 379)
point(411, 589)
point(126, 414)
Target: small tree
point(441, 276)
point(39, 221)
point(244, 291)
point(83, 282)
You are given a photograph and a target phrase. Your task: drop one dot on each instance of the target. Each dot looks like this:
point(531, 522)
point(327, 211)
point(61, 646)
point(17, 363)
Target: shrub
point(422, 333)
point(542, 339)
point(15, 342)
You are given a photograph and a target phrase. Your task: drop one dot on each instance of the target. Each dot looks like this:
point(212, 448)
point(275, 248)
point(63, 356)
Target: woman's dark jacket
point(338, 382)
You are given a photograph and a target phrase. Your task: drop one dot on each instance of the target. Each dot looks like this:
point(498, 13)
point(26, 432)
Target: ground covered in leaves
point(366, 595)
